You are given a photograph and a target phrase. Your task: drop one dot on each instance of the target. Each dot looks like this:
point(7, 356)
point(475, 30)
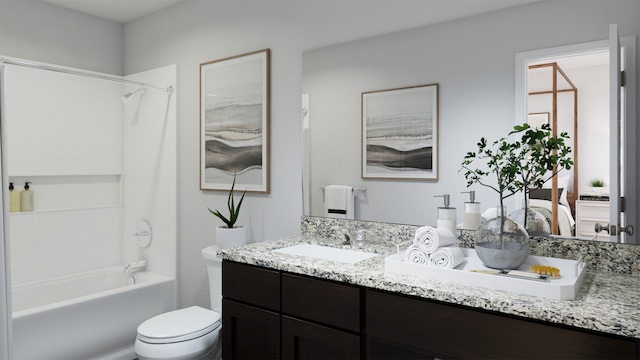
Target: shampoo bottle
point(26, 198)
point(14, 199)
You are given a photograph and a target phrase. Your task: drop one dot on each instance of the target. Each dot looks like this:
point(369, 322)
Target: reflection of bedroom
point(589, 76)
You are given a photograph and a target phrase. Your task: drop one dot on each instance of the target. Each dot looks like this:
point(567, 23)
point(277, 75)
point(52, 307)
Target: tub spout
point(135, 266)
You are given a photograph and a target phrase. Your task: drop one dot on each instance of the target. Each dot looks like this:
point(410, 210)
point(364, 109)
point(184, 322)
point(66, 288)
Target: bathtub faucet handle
point(135, 266)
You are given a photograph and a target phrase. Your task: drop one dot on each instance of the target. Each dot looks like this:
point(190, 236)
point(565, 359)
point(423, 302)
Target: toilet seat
point(179, 325)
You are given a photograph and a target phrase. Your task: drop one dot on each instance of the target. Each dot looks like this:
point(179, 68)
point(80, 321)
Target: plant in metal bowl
point(515, 165)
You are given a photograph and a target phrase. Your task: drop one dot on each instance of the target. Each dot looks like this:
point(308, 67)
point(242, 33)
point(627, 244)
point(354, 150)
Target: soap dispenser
point(447, 215)
point(14, 199)
point(472, 212)
point(26, 198)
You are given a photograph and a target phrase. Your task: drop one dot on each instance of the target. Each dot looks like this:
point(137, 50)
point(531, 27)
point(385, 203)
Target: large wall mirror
point(476, 99)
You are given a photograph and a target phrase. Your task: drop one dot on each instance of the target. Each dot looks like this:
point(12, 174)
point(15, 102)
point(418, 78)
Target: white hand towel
point(429, 239)
point(338, 201)
point(447, 257)
point(414, 255)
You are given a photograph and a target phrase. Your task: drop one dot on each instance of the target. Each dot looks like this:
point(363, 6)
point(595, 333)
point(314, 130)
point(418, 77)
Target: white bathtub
point(92, 315)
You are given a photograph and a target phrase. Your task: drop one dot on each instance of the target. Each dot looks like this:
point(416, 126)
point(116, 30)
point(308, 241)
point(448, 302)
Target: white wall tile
point(64, 128)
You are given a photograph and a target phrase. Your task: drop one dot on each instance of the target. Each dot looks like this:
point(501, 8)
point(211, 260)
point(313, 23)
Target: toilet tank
point(214, 271)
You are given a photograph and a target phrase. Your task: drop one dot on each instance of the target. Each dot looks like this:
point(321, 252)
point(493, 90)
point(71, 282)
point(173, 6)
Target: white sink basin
point(327, 253)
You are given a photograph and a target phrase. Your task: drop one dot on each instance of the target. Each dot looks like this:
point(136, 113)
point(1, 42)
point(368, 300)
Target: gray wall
point(198, 31)
point(42, 32)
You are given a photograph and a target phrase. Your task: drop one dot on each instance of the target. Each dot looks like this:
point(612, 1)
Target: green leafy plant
point(496, 159)
point(234, 210)
point(529, 161)
point(596, 183)
point(540, 157)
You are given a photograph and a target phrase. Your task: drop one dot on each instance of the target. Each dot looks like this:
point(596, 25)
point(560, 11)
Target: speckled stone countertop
point(607, 301)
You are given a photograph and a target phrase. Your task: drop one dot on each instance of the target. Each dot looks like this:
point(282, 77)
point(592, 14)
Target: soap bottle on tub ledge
point(26, 198)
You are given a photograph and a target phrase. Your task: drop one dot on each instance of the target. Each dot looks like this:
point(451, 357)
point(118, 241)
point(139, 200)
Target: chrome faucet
point(135, 266)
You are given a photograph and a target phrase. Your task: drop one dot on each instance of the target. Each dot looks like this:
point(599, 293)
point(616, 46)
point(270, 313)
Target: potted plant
point(501, 242)
point(230, 235)
point(597, 186)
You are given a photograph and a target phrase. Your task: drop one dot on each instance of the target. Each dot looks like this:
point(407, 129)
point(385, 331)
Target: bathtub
point(91, 315)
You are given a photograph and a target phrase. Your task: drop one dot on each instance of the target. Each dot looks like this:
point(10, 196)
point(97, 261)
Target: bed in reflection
point(540, 200)
point(566, 223)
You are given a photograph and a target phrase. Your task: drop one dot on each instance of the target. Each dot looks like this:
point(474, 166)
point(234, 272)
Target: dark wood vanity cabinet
point(272, 314)
point(402, 324)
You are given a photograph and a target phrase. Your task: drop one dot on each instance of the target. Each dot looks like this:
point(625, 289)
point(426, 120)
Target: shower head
point(126, 97)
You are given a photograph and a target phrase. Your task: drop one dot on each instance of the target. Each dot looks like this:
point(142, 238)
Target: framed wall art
point(400, 133)
point(234, 122)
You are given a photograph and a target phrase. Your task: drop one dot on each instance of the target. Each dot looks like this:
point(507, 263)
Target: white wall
point(42, 32)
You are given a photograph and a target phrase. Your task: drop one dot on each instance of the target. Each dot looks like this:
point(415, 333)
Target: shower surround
point(97, 166)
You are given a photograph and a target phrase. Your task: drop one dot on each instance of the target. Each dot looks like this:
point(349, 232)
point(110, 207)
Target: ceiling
point(124, 11)
point(121, 11)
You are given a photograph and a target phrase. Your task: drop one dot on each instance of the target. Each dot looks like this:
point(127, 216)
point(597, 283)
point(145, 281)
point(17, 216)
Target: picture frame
point(400, 133)
point(234, 122)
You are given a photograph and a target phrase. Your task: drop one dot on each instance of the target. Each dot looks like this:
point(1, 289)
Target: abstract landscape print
point(400, 133)
point(234, 123)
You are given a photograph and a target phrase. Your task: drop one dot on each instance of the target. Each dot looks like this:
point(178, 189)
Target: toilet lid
point(179, 325)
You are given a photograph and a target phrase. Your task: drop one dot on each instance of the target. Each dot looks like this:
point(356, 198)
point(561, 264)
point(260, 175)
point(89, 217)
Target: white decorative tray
point(565, 288)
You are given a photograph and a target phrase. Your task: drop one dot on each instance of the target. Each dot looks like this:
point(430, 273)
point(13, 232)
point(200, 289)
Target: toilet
point(190, 333)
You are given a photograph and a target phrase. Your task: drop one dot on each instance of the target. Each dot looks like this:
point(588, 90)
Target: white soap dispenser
point(472, 212)
point(14, 199)
point(447, 215)
point(26, 198)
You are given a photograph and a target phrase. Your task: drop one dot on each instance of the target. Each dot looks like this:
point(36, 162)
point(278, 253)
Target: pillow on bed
point(544, 194)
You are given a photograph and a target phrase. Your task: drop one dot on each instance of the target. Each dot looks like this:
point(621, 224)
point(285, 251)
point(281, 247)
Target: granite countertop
point(607, 301)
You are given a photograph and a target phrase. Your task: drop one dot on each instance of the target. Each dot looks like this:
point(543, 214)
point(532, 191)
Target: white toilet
point(189, 333)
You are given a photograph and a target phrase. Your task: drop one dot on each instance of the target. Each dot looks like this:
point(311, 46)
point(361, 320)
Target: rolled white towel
point(429, 239)
point(447, 257)
point(416, 256)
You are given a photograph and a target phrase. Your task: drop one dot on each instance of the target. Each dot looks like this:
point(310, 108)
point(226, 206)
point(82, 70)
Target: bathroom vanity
point(278, 305)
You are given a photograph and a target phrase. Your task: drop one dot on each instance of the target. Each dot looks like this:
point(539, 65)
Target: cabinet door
point(305, 340)
point(251, 284)
point(451, 331)
point(326, 302)
point(249, 332)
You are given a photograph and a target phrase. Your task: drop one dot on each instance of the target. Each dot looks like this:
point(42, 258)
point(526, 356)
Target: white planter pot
point(228, 238)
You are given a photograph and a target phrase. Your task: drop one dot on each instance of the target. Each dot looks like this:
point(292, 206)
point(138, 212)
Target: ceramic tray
point(572, 274)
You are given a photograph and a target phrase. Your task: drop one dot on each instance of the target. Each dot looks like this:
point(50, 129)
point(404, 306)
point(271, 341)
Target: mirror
point(475, 100)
